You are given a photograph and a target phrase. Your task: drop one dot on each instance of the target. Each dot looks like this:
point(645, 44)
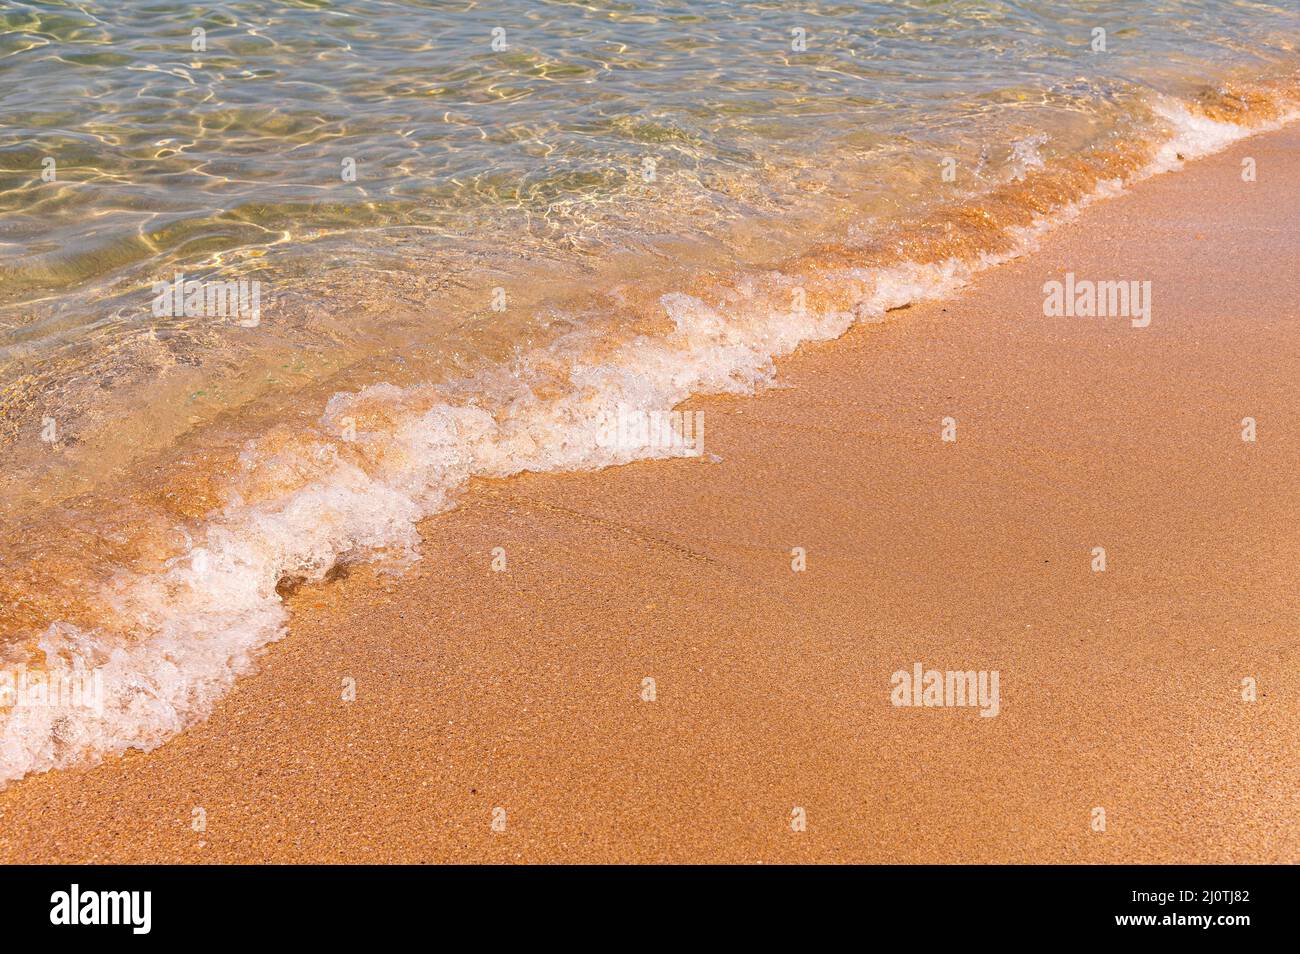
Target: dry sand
point(1121, 690)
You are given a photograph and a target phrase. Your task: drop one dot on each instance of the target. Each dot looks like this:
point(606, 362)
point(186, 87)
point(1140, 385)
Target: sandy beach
point(522, 689)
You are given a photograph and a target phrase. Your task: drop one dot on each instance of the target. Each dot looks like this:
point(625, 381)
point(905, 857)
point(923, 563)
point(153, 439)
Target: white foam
point(1196, 136)
point(200, 622)
point(1025, 155)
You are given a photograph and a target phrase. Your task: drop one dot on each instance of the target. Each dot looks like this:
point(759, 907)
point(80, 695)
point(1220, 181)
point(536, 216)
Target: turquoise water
point(170, 156)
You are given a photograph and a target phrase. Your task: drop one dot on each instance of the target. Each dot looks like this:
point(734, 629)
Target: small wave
point(383, 458)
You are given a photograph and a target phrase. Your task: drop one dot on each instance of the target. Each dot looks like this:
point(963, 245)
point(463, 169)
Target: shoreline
point(1119, 689)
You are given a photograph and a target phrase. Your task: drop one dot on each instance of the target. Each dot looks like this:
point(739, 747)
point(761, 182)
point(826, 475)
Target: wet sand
point(520, 689)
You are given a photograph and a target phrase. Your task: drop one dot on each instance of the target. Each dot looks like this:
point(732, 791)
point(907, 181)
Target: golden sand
point(522, 689)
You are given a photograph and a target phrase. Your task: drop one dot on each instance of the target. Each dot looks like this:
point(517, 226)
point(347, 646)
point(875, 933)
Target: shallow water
point(558, 210)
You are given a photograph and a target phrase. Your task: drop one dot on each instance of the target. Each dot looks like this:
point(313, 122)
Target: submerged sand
point(521, 689)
